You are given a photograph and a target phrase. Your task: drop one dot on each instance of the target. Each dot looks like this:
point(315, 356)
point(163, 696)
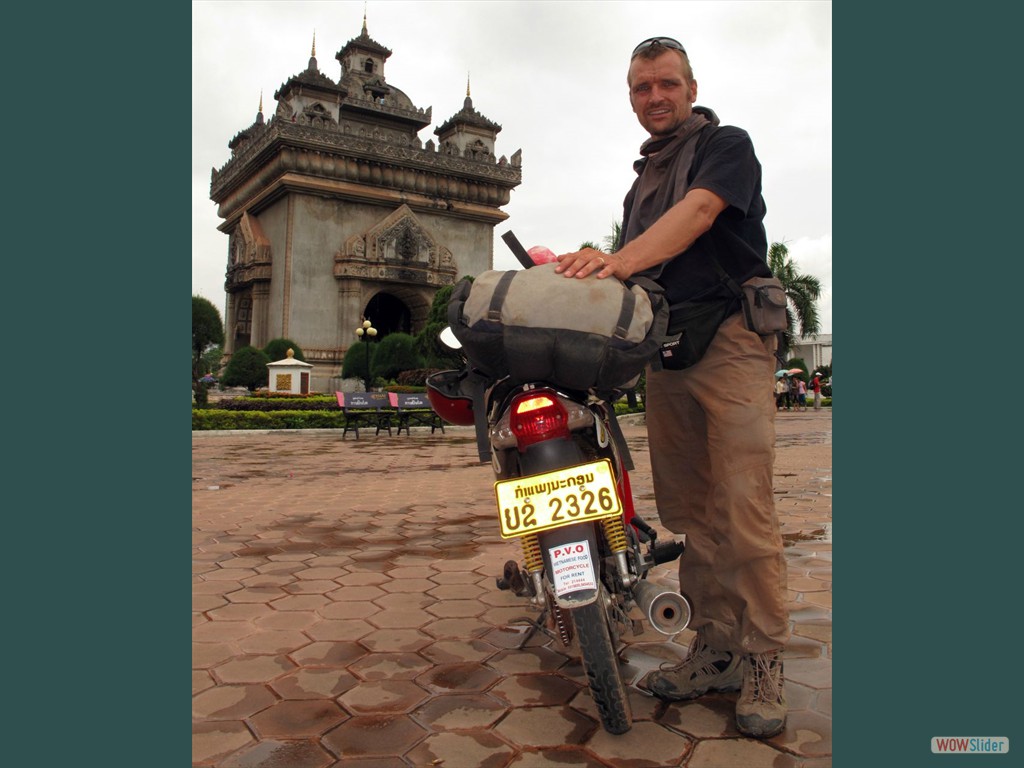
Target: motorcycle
point(562, 490)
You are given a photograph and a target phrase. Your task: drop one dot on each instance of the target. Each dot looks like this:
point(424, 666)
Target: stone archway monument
point(335, 200)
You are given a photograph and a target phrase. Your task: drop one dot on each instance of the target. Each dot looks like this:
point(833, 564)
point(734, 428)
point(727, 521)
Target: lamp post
point(365, 332)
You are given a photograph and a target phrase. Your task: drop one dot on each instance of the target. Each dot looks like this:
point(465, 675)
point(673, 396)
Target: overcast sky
point(552, 74)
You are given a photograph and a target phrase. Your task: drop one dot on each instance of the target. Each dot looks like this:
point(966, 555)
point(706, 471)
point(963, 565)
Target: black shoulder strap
point(499, 295)
point(625, 314)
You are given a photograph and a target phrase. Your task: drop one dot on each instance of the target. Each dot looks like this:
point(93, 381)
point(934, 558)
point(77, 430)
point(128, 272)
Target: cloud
point(552, 74)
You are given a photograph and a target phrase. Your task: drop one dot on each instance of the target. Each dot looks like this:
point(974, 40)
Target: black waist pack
point(691, 327)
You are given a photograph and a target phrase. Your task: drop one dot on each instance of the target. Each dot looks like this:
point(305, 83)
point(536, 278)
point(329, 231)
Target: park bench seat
point(414, 409)
point(364, 409)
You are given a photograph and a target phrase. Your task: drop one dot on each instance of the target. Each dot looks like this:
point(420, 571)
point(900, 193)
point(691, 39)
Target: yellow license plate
point(553, 499)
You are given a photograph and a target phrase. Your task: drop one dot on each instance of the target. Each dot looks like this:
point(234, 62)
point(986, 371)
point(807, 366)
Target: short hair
point(656, 50)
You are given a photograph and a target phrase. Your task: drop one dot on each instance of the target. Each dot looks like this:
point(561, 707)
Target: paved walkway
point(344, 613)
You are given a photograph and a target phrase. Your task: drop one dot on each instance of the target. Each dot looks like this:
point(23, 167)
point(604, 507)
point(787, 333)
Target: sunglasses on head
point(665, 42)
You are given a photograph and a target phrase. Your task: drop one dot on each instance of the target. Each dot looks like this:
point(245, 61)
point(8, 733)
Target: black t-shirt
point(724, 164)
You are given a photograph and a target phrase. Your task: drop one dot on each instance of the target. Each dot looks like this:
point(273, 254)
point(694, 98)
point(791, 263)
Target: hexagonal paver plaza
point(344, 613)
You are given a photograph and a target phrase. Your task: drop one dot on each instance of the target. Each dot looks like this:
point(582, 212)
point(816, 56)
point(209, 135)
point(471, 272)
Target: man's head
point(661, 85)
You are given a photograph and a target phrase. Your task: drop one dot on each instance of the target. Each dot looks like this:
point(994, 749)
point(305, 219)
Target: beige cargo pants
point(711, 429)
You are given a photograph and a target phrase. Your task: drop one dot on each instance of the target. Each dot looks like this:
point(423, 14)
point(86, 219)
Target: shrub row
point(266, 404)
point(216, 418)
point(318, 402)
point(295, 418)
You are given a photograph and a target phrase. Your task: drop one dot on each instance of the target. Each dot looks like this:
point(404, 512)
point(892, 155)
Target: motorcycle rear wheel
point(602, 667)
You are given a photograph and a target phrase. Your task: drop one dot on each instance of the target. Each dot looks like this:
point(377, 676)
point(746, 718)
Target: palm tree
point(803, 291)
point(611, 242)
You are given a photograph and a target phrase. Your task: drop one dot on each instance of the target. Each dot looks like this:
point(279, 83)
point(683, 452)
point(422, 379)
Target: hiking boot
point(704, 669)
point(761, 706)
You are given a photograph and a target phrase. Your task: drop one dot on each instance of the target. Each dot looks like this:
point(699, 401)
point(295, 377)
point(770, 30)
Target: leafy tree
point(395, 353)
point(207, 330)
point(589, 244)
point(212, 360)
point(247, 368)
point(277, 349)
point(354, 365)
point(428, 342)
point(803, 292)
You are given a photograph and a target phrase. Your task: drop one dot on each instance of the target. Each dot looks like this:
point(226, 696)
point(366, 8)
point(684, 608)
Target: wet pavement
point(344, 613)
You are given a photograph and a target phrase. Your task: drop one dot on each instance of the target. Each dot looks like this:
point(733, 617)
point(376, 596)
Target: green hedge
point(321, 413)
point(216, 418)
point(266, 404)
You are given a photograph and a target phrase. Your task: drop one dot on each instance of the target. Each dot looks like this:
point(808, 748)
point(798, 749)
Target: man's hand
point(671, 234)
point(582, 263)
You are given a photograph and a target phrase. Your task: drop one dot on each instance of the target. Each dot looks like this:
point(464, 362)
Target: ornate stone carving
point(249, 254)
point(397, 249)
point(295, 139)
point(317, 116)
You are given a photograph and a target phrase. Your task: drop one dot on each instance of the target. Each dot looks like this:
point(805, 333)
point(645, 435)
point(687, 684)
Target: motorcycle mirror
point(449, 340)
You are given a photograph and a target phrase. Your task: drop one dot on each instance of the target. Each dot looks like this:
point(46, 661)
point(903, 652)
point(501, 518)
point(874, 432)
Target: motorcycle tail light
point(538, 416)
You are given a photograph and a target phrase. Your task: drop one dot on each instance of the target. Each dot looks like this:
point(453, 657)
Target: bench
point(364, 409)
point(414, 409)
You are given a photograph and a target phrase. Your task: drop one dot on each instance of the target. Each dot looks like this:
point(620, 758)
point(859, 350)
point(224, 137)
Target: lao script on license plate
point(553, 499)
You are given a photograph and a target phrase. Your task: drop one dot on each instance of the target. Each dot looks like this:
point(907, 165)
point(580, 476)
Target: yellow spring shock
point(531, 553)
point(615, 533)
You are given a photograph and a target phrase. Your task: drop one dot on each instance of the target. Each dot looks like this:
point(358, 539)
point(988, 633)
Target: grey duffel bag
point(537, 325)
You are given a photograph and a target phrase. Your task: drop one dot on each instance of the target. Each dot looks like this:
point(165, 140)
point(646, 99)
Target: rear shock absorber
point(615, 534)
point(531, 553)
point(534, 561)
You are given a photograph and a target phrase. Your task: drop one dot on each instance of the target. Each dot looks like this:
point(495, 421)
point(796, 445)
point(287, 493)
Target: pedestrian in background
point(780, 393)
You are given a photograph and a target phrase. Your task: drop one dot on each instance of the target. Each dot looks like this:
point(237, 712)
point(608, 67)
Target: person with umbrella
point(781, 389)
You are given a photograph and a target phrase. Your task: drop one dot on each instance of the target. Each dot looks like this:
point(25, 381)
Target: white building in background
point(814, 350)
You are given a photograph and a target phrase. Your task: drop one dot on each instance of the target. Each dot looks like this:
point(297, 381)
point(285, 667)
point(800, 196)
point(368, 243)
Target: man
point(711, 424)
point(816, 388)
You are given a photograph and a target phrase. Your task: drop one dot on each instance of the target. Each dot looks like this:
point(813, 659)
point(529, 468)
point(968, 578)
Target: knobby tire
point(602, 667)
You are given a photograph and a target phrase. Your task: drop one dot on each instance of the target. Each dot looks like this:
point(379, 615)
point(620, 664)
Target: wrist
point(623, 264)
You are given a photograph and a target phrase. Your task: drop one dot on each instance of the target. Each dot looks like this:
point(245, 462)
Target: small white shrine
point(290, 375)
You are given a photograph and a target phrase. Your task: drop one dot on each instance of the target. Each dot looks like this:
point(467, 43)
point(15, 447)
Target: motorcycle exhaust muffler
point(667, 611)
